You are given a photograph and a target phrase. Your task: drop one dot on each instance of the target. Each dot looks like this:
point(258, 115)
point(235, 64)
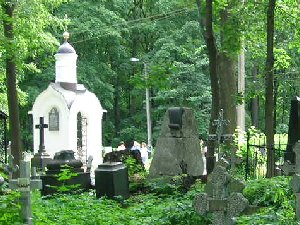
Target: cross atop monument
point(41, 127)
point(220, 136)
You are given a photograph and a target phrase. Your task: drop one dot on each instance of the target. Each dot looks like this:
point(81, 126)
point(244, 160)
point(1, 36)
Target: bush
point(10, 209)
point(275, 198)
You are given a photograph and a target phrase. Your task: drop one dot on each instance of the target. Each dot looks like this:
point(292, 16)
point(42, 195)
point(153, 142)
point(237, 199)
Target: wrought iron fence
point(3, 137)
point(256, 154)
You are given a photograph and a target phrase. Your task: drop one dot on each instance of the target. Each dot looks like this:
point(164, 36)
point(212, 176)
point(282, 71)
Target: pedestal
point(40, 160)
point(111, 179)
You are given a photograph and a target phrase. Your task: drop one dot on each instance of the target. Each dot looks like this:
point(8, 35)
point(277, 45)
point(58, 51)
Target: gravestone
point(25, 185)
point(41, 158)
point(111, 179)
point(177, 144)
point(295, 181)
point(54, 168)
point(223, 197)
point(294, 130)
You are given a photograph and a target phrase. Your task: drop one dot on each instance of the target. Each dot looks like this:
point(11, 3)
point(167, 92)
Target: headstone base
point(51, 182)
point(40, 160)
point(111, 179)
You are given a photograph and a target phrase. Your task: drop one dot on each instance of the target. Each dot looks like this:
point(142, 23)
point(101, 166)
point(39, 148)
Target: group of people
point(142, 148)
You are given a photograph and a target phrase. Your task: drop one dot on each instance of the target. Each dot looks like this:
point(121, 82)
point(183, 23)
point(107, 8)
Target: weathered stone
point(288, 168)
point(222, 198)
point(295, 183)
point(25, 185)
point(201, 203)
point(177, 146)
point(236, 186)
point(237, 203)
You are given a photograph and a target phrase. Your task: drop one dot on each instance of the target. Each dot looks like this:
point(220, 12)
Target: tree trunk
point(226, 71)
point(208, 34)
point(12, 96)
point(269, 90)
point(241, 90)
point(117, 114)
point(255, 103)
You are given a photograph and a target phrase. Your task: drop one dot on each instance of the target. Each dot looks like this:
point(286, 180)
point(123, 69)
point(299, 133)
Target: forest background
point(168, 36)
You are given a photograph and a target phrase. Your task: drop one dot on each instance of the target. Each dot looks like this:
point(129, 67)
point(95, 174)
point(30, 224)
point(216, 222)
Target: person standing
point(121, 146)
point(144, 153)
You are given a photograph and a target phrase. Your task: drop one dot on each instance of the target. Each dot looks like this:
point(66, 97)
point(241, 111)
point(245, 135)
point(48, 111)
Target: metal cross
point(220, 136)
point(41, 127)
point(25, 185)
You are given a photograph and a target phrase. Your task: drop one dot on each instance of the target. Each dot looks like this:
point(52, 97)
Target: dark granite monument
point(177, 145)
point(55, 167)
point(111, 179)
point(294, 130)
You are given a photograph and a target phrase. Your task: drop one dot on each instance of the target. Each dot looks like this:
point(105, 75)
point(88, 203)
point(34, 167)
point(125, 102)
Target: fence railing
point(3, 137)
point(256, 154)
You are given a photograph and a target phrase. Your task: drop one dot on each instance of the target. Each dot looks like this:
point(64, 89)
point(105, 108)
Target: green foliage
point(10, 209)
point(275, 198)
point(64, 176)
point(269, 192)
point(137, 210)
point(132, 166)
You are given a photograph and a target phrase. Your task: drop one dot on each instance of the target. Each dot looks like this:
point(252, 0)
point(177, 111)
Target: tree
point(269, 91)
point(222, 62)
point(11, 80)
point(24, 32)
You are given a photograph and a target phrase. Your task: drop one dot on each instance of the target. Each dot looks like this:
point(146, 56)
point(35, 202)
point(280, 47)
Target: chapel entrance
point(82, 138)
point(3, 137)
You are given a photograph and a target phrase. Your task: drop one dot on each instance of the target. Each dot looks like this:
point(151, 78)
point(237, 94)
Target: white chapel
point(73, 114)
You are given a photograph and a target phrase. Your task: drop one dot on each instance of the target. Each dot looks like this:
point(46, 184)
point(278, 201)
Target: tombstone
point(25, 185)
point(223, 197)
point(54, 168)
point(294, 130)
point(41, 158)
point(178, 143)
point(111, 179)
point(295, 181)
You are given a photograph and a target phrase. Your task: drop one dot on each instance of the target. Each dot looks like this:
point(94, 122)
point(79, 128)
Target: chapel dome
point(66, 47)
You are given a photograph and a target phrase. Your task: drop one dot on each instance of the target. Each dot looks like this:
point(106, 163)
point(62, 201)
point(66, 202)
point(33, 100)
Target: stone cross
point(25, 185)
point(295, 181)
point(10, 168)
point(288, 168)
point(223, 197)
point(41, 127)
point(220, 136)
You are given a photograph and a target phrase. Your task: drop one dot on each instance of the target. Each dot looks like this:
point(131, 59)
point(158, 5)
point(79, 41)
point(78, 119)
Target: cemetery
point(149, 112)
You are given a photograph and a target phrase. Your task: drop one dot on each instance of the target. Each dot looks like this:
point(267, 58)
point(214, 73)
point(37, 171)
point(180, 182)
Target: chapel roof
point(66, 48)
point(69, 95)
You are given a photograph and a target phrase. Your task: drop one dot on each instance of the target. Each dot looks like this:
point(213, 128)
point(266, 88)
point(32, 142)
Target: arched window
point(53, 119)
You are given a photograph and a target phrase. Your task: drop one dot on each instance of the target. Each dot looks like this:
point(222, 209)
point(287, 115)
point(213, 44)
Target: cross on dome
point(66, 36)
